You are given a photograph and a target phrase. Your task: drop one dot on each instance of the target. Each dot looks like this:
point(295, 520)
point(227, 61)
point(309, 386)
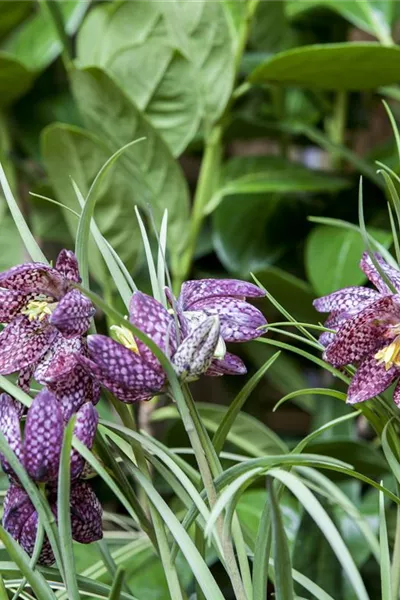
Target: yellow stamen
point(125, 337)
point(37, 309)
point(390, 355)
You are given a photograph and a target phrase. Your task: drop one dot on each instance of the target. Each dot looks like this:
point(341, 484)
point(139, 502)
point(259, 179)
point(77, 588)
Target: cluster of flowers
point(45, 339)
point(366, 323)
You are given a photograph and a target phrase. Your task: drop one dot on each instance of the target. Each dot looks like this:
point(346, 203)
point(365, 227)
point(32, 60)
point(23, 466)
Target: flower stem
point(208, 462)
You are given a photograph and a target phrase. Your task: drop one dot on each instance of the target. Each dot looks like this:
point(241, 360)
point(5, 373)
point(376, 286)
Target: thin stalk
point(396, 556)
point(53, 7)
point(205, 461)
point(337, 125)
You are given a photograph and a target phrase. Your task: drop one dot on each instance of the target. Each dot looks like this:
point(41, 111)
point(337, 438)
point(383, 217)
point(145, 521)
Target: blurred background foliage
point(287, 109)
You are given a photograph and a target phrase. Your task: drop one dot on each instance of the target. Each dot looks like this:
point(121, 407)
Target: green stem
point(337, 124)
point(396, 557)
point(205, 188)
point(380, 28)
point(206, 461)
point(56, 15)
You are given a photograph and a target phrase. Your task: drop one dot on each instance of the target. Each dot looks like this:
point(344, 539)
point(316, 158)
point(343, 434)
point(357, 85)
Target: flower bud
point(193, 357)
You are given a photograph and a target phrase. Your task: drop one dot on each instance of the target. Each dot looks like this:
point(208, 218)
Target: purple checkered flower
point(39, 452)
point(130, 370)
point(225, 299)
point(367, 324)
point(46, 319)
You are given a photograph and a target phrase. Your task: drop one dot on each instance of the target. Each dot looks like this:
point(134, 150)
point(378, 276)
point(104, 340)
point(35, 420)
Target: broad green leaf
point(70, 152)
point(12, 13)
point(11, 246)
point(333, 256)
point(354, 11)
point(342, 66)
point(15, 79)
point(154, 177)
point(266, 174)
point(174, 60)
point(36, 43)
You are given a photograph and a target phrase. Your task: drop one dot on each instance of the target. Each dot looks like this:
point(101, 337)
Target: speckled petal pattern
point(33, 277)
point(27, 540)
point(193, 357)
point(230, 365)
point(240, 321)
point(43, 437)
point(67, 266)
point(22, 343)
point(11, 302)
point(60, 360)
point(17, 510)
point(10, 427)
point(86, 514)
point(110, 361)
point(346, 299)
point(360, 335)
point(85, 430)
point(195, 290)
point(72, 314)
point(371, 272)
point(76, 388)
point(148, 315)
point(371, 379)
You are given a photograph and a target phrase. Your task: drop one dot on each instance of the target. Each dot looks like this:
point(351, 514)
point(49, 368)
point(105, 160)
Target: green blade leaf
point(280, 550)
point(115, 593)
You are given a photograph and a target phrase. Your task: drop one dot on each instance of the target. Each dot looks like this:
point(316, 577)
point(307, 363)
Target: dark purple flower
point(130, 370)
point(39, 452)
point(367, 324)
point(46, 319)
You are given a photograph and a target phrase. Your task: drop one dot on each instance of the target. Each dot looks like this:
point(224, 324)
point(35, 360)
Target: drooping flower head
point(46, 318)
point(208, 314)
point(39, 450)
point(367, 324)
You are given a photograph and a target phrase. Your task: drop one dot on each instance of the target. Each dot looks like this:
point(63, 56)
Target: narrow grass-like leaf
point(329, 530)
point(149, 257)
point(35, 557)
point(386, 581)
point(394, 126)
point(115, 593)
point(394, 232)
point(82, 235)
point(34, 577)
point(389, 455)
point(199, 568)
point(238, 403)
point(15, 391)
point(280, 549)
point(311, 436)
point(307, 392)
point(262, 550)
point(29, 241)
point(3, 590)
point(162, 253)
point(64, 514)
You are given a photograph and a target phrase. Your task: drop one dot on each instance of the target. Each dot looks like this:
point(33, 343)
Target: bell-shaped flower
point(39, 450)
point(45, 317)
point(367, 332)
point(225, 299)
point(130, 370)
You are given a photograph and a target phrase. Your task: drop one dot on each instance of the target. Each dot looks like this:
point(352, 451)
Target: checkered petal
point(43, 438)
point(195, 290)
point(60, 360)
point(351, 298)
point(11, 302)
point(10, 427)
point(22, 343)
point(362, 334)
point(33, 277)
point(27, 540)
point(73, 390)
point(229, 365)
point(396, 394)
point(112, 363)
point(371, 379)
point(373, 275)
point(240, 321)
point(85, 430)
point(18, 509)
point(86, 514)
point(72, 314)
point(148, 315)
point(67, 266)
point(194, 355)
